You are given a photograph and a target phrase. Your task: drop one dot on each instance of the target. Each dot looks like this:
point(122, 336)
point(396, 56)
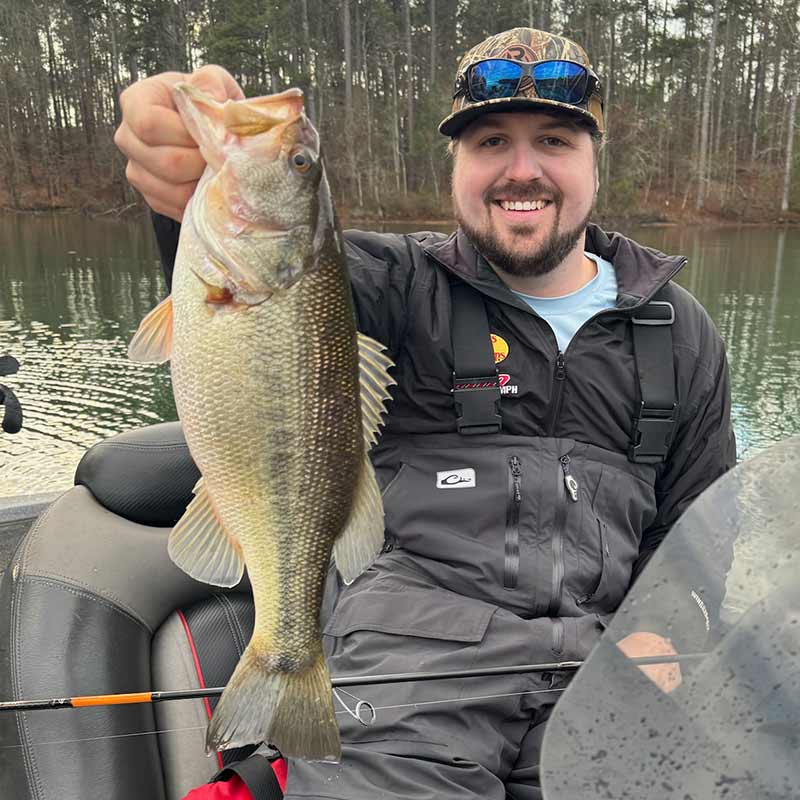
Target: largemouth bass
point(261, 297)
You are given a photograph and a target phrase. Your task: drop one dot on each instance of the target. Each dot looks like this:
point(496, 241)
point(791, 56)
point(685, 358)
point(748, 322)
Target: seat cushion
point(197, 646)
point(144, 475)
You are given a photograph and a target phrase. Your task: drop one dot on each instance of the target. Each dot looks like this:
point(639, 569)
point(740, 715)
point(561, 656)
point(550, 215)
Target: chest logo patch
point(500, 347)
point(505, 386)
point(456, 479)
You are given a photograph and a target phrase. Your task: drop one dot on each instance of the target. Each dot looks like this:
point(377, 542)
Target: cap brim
point(457, 121)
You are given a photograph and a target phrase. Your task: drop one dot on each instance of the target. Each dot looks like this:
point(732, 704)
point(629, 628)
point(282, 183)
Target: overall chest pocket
point(448, 506)
point(619, 506)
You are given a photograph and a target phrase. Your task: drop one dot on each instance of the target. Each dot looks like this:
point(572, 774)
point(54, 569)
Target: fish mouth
point(264, 114)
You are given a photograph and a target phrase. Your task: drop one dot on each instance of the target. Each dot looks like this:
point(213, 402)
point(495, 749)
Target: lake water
point(73, 291)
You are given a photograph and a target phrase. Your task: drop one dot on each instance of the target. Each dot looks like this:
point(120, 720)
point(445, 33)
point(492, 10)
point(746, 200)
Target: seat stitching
point(220, 598)
point(237, 622)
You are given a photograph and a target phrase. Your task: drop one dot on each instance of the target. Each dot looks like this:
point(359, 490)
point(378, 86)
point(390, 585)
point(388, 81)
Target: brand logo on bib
point(500, 348)
point(506, 387)
point(456, 479)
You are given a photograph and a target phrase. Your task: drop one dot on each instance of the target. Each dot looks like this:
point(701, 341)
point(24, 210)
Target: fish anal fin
point(152, 342)
point(362, 538)
point(200, 545)
point(375, 382)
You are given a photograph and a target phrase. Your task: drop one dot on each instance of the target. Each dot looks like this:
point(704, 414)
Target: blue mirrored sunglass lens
point(494, 78)
point(561, 81)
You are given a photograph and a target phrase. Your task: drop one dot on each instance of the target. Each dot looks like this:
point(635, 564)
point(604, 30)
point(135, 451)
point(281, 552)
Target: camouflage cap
point(524, 45)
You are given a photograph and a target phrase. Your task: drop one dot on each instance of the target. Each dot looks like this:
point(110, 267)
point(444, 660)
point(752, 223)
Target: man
point(526, 482)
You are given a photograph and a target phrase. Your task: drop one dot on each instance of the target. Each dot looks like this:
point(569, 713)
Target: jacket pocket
point(422, 613)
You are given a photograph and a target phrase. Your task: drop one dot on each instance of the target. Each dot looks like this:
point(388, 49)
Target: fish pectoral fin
point(375, 381)
point(200, 545)
point(152, 343)
point(362, 538)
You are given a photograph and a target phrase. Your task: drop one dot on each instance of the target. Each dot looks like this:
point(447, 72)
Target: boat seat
point(92, 604)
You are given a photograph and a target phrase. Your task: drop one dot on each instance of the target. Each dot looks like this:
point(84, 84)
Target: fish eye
point(301, 162)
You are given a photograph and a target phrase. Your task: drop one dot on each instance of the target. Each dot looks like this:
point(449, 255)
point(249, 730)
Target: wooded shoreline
point(352, 217)
point(700, 96)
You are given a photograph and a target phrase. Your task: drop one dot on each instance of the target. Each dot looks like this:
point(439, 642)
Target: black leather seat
point(92, 604)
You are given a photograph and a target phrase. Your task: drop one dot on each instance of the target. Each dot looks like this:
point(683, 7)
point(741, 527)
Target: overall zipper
point(511, 566)
point(605, 555)
point(567, 488)
point(558, 640)
point(570, 483)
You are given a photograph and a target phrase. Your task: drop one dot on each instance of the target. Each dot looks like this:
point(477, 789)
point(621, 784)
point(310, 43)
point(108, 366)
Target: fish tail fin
point(293, 711)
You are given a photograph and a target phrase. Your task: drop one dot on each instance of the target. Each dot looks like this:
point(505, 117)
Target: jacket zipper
point(559, 377)
point(561, 372)
point(567, 488)
point(511, 567)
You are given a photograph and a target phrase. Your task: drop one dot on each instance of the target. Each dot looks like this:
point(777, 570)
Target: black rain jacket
point(571, 558)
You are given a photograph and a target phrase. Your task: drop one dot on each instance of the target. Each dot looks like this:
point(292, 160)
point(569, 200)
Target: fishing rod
point(127, 698)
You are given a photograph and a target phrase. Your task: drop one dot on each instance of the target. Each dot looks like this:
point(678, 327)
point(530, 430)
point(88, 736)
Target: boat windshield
point(732, 728)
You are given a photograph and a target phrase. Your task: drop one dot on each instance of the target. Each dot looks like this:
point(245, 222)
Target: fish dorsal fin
point(152, 342)
point(362, 538)
point(201, 546)
point(204, 119)
point(375, 382)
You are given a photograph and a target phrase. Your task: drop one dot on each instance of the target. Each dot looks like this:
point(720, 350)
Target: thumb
point(217, 82)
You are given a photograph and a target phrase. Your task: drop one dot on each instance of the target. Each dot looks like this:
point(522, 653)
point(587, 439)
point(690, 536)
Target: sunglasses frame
point(463, 81)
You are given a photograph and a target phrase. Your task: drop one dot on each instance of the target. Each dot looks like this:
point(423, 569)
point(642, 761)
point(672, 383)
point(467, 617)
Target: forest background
point(700, 97)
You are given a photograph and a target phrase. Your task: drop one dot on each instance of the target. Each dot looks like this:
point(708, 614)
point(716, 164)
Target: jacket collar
point(641, 271)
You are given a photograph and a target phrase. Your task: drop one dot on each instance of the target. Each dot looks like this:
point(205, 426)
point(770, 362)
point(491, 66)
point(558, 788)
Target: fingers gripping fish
point(261, 291)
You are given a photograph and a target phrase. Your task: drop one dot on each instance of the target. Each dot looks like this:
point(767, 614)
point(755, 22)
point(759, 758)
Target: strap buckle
point(651, 436)
point(477, 404)
point(656, 312)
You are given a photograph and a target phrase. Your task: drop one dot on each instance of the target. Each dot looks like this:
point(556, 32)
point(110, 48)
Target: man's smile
point(520, 210)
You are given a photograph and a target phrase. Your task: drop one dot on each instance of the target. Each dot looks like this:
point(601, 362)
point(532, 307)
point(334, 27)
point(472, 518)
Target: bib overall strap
point(257, 775)
point(656, 417)
point(476, 387)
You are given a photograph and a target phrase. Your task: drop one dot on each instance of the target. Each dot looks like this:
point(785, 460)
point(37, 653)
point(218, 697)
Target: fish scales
point(287, 406)
point(266, 368)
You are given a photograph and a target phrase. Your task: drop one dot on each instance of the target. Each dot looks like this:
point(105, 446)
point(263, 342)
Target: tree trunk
point(605, 166)
point(308, 65)
point(409, 149)
point(395, 123)
point(433, 44)
point(115, 82)
point(703, 155)
point(790, 128)
point(759, 92)
point(348, 69)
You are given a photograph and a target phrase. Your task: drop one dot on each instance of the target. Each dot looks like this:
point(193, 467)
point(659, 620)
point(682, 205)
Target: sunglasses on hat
point(561, 81)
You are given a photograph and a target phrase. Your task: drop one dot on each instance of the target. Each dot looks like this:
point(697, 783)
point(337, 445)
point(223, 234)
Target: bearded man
point(559, 403)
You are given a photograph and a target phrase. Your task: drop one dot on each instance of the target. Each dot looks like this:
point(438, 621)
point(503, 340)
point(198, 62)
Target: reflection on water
point(73, 291)
point(749, 281)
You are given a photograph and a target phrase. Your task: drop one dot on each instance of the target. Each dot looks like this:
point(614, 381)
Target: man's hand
point(164, 162)
point(640, 645)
